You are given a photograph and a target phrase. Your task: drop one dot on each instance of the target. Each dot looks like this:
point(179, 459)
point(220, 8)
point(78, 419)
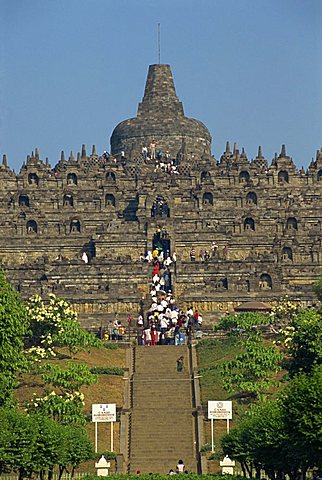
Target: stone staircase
point(162, 425)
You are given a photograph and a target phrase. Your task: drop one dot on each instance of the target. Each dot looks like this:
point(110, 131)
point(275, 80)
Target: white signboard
point(219, 410)
point(104, 412)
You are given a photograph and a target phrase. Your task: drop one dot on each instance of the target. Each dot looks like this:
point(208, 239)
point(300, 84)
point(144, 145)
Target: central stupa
point(161, 119)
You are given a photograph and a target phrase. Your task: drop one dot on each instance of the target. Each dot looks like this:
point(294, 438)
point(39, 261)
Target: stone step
point(152, 463)
point(157, 465)
point(175, 426)
point(170, 460)
point(153, 376)
point(155, 388)
point(142, 412)
point(175, 432)
point(162, 399)
point(163, 416)
point(158, 396)
point(149, 353)
point(171, 423)
point(149, 375)
point(167, 449)
point(178, 429)
point(164, 441)
point(149, 404)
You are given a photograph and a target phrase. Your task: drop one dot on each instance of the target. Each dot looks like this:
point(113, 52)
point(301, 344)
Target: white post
point(95, 437)
point(227, 425)
point(212, 435)
point(112, 437)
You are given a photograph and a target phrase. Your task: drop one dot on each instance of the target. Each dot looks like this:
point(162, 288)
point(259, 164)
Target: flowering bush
point(53, 325)
point(67, 405)
point(36, 354)
point(284, 311)
point(302, 340)
point(64, 408)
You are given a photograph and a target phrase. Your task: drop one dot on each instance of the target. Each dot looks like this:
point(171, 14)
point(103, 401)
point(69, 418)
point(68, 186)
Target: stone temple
point(260, 222)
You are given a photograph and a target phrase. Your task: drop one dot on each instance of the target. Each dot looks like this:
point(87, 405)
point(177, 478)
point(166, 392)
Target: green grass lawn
point(211, 355)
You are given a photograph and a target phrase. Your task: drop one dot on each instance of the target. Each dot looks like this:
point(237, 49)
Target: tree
point(261, 441)
point(76, 448)
point(67, 405)
point(69, 379)
point(20, 433)
point(47, 447)
point(13, 329)
point(317, 288)
point(56, 324)
point(243, 324)
point(303, 416)
point(66, 408)
point(250, 372)
point(236, 446)
point(302, 340)
point(282, 313)
point(281, 436)
point(34, 444)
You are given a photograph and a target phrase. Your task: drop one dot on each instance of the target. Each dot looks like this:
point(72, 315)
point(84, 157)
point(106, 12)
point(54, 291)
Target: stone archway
point(249, 224)
point(207, 198)
point(160, 207)
point(23, 201)
point(72, 179)
point(251, 198)
point(291, 223)
point(75, 226)
point(244, 177)
point(68, 200)
point(283, 176)
point(33, 179)
point(205, 175)
point(161, 241)
point(265, 282)
point(110, 177)
point(32, 226)
point(287, 254)
point(110, 200)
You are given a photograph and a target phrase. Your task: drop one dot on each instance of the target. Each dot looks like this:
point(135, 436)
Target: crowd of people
point(205, 255)
point(162, 161)
point(165, 323)
point(151, 154)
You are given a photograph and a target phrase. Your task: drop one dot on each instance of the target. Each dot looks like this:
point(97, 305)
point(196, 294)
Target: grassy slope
point(211, 354)
point(108, 389)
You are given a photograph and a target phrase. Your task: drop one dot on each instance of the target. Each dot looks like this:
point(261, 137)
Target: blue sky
point(71, 70)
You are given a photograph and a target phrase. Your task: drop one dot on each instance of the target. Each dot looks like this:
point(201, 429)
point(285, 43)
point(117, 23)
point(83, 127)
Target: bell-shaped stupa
point(160, 119)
